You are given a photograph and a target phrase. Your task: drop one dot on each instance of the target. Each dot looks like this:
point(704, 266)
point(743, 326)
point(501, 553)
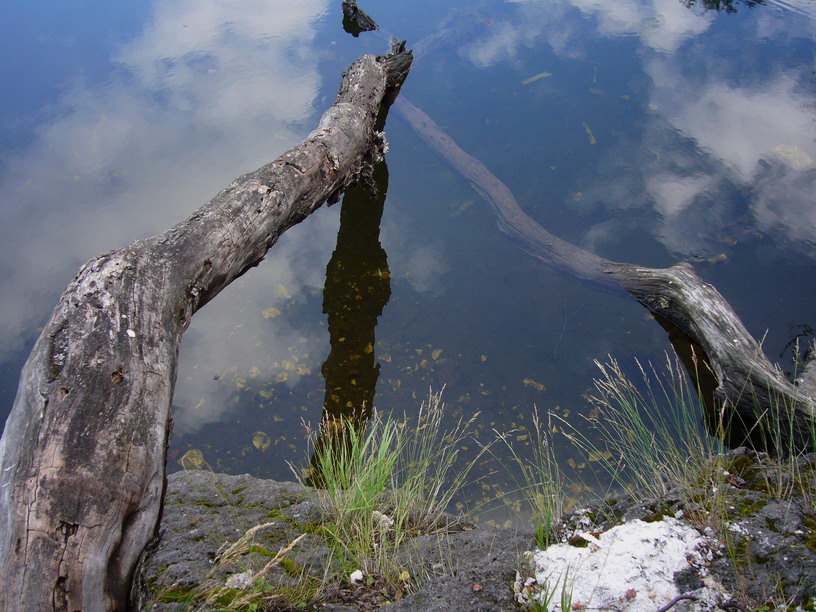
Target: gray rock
point(472, 570)
point(204, 510)
point(772, 542)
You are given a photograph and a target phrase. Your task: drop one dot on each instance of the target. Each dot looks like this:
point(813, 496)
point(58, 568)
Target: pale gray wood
point(82, 457)
point(749, 388)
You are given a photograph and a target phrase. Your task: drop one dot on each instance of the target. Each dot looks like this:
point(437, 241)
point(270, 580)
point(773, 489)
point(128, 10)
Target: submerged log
point(752, 397)
point(82, 457)
point(517, 225)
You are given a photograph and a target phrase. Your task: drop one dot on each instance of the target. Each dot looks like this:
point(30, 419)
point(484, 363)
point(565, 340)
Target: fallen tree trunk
point(754, 396)
point(82, 457)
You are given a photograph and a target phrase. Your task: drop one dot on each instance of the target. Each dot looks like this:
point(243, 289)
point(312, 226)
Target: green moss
point(316, 529)
point(238, 490)
point(745, 506)
point(260, 550)
point(151, 580)
point(739, 551)
point(176, 595)
point(292, 568)
point(226, 596)
point(205, 503)
point(810, 523)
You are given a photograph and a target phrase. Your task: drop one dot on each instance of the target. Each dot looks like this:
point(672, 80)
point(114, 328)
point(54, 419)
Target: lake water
point(646, 131)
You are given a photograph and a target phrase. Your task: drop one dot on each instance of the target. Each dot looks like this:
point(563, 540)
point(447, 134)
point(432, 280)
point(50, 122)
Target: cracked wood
point(82, 457)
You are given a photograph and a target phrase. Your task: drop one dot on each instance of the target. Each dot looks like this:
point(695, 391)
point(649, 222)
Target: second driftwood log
point(751, 394)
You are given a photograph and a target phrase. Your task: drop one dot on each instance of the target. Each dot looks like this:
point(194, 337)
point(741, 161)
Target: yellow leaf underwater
point(271, 313)
point(599, 455)
point(590, 135)
point(282, 292)
point(261, 441)
point(535, 385)
point(193, 459)
point(536, 77)
point(793, 156)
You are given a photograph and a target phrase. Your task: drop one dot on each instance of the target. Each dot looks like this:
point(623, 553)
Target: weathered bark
point(756, 395)
point(747, 382)
point(82, 457)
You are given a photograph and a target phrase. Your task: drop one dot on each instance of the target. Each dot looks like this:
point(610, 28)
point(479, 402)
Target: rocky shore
point(624, 553)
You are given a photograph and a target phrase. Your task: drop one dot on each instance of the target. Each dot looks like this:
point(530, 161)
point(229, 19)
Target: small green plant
point(387, 482)
point(555, 592)
point(538, 478)
point(653, 431)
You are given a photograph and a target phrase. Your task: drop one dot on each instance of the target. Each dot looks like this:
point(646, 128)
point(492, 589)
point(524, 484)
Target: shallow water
point(643, 131)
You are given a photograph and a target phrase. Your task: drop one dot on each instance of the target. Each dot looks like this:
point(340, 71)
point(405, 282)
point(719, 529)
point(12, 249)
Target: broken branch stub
point(82, 457)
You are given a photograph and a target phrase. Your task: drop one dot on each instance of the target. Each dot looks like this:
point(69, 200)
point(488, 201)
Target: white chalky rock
point(239, 581)
point(383, 521)
point(631, 567)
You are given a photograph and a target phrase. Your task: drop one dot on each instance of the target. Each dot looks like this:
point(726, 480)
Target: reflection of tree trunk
point(746, 382)
point(82, 458)
point(355, 20)
point(357, 289)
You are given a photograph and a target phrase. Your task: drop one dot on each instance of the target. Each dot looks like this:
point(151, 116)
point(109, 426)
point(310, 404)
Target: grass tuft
point(388, 482)
point(653, 430)
point(538, 477)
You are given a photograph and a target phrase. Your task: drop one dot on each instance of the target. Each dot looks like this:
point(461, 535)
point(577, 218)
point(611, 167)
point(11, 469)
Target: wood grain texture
point(82, 457)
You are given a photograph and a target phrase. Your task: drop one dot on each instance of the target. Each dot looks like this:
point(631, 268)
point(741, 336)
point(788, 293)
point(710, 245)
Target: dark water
point(644, 131)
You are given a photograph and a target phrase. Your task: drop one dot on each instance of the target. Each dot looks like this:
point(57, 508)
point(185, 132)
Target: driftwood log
point(82, 457)
point(751, 397)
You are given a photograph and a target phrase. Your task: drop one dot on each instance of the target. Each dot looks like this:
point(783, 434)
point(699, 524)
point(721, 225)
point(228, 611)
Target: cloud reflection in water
point(748, 132)
point(207, 91)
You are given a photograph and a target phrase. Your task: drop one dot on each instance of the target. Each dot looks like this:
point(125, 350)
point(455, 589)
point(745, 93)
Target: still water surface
point(645, 131)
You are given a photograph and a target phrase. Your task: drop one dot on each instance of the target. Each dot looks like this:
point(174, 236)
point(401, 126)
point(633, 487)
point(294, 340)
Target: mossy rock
point(205, 513)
